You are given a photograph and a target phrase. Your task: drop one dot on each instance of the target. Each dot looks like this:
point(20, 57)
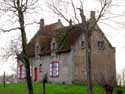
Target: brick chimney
point(41, 24)
point(92, 19)
point(59, 21)
point(92, 15)
point(70, 22)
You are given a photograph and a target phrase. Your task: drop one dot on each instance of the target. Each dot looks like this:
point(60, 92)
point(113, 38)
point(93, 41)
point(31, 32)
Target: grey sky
point(113, 28)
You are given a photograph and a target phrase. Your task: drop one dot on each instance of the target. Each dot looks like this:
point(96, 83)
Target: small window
point(40, 68)
point(53, 46)
point(100, 44)
point(37, 49)
point(82, 44)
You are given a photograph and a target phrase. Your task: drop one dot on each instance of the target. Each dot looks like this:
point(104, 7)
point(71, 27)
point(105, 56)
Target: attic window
point(100, 44)
point(82, 44)
point(53, 46)
point(37, 49)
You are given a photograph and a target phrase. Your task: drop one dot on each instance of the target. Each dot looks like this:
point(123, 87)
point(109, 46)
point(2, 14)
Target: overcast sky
point(113, 28)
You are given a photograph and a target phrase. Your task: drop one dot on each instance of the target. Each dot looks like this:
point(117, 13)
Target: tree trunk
point(28, 77)
point(26, 62)
point(87, 34)
point(25, 56)
point(88, 62)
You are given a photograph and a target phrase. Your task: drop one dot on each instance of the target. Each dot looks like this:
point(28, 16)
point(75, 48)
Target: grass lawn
point(21, 88)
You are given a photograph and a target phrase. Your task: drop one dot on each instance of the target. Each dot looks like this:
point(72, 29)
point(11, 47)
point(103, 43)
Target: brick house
point(59, 52)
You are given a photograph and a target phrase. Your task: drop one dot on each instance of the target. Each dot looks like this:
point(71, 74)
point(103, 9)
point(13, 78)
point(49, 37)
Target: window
point(40, 68)
point(21, 72)
point(37, 49)
point(100, 44)
point(54, 69)
point(53, 46)
point(82, 44)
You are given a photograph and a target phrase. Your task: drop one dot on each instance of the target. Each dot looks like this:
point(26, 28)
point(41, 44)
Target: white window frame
point(22, 72)
point(54, 66)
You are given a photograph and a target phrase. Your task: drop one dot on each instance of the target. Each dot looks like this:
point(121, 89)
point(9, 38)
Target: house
point(59, 52)
point(121, 78)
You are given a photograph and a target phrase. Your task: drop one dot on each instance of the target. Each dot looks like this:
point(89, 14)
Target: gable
point(101, 34)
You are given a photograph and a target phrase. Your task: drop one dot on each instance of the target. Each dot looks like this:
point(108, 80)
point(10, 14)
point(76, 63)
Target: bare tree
point(86, 28)
point(107, 82)
point(16, 11)
point(13, 49)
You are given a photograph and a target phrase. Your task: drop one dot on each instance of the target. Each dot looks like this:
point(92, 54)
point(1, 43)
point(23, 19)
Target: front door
point(35, 74)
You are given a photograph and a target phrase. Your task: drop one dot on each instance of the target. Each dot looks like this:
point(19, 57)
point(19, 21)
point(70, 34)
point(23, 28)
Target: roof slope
point(44, 38)
point(65, 37)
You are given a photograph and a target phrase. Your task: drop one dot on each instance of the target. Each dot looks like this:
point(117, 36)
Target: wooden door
point(35, 74)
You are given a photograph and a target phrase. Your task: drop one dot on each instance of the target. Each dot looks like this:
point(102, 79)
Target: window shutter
point(50, 69)
point(57, 69)
point(30, 71)
point(23, 72)
point(18, 72)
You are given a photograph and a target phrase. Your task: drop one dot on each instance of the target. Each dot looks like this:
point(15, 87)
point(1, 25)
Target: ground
point(21, 88)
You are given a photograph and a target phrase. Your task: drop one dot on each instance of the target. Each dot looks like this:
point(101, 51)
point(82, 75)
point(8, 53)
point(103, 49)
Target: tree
point(16, 11)
point(12, 49)
point(86, 28)
point(107, 82)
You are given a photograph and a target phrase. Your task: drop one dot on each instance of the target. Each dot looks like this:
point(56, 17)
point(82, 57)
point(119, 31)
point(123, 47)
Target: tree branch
point(30, 23)
point(25, 5)
point(12, 29)
point(73, 6)
point(102, 12)
point(57, 11)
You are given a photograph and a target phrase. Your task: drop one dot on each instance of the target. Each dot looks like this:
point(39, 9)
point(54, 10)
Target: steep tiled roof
point(65, 37)
point(44, 38)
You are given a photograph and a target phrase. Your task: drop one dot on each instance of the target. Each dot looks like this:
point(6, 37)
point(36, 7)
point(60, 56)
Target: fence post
point(44, 83)
point(4, 81)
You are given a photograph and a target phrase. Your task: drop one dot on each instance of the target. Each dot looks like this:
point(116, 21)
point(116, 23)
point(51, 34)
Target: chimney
point(70, 22)
point(92, 20)
point(41, 24)
point(92, 15)
point(59, 21)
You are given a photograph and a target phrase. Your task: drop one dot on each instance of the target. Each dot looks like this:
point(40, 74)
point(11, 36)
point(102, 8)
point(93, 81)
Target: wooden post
point(44, 88)
point(4, 81)
point(44, 82)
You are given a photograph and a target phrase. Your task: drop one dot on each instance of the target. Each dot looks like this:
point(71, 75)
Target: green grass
point(21, 88)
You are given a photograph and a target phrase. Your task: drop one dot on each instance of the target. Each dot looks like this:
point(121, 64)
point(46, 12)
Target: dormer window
point(53, 46)
point(82, 44)
point(37, 48)
point(82, 41)
point(100, 44)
